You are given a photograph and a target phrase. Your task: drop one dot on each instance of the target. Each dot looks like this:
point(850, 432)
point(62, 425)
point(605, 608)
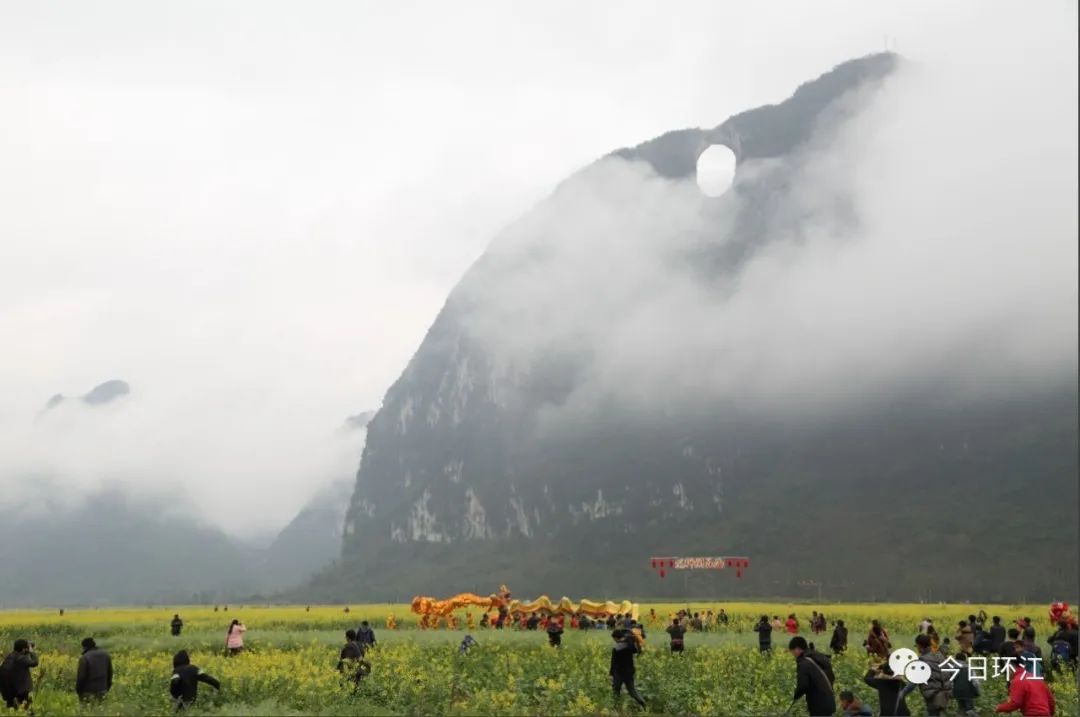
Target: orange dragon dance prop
point(442, 608)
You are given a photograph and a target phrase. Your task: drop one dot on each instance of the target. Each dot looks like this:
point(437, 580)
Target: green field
point(288, 667)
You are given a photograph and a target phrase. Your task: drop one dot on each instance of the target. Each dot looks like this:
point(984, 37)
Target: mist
point(928, 246)
point(253, 217)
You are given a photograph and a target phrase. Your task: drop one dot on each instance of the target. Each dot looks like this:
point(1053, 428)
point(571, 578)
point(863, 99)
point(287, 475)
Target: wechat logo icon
point(905, 662)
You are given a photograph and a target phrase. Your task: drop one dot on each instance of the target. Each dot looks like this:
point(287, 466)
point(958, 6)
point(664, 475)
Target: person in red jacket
point(792, 624)
point(1028, 691)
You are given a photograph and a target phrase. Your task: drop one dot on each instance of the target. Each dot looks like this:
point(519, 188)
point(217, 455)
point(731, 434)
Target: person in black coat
point(889, 688)
point(365, 635)
point(678, 634)
point(997, 634)
point(764, 631)
point(184, 685)
point(964, 691)
point(351, 662)
point(176, 626)
point(838, 643)
point(94, 676)
point(622, 665)
point(1008, 647)
point(16, 684)
point(554, 632)
point(811, 680)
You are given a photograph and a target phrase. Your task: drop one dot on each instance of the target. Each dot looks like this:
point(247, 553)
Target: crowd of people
point(947, 679)
point(976, 638)
point(94, 674)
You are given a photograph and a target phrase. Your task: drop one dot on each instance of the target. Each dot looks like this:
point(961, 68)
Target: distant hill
point(109, 548)
point(103, 393)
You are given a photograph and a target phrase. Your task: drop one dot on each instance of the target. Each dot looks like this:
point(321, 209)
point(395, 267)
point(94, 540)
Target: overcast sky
point(253, 211)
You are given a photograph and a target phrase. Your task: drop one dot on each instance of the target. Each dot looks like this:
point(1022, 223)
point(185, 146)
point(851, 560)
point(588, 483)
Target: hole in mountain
point(715, 170)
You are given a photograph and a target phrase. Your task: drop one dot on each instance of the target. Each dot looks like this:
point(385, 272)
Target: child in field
point(184, 686)
point(234, 638)
point(852, 706)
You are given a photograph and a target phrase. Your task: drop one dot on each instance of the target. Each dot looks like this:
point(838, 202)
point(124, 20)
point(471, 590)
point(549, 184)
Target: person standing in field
point(937, 691)
point(811, 680)
point(838, 643)
point(622, 667)
point(184, 685)
point(176, 626)
point(722, 618)
point(792, 624)
point(1063, 647)
point(965, 636)
point(555, 632)
point(777, 623)
point(877, 641)
point(351, 662)
point(997, 633)
point(93, 678)
point(234, 638)
point(964, 689)
point(1008, 647)
point(677, 633)
point(365, 635)
point(16, 684)
point(764, 634)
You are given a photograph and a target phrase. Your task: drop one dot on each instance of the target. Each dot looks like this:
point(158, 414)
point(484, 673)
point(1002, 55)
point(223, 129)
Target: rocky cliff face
point(509, 452)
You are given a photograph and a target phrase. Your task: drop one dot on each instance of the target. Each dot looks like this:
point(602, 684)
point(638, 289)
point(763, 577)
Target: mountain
point(536, 439)
point(310, 541)
point(103, 393)
point(111, 550)
point(107, 547)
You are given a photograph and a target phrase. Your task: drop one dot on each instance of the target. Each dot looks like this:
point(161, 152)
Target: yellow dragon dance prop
point(443, 608)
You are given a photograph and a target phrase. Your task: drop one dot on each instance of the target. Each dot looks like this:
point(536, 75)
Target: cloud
point(928, 245)
point(253, 216)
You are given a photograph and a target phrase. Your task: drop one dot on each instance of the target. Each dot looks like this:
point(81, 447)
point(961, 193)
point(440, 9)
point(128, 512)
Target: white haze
point(252, 212)
point(960, 277)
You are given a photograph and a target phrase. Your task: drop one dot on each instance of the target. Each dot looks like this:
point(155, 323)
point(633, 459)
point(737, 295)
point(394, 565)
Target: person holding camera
point(16, 684)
